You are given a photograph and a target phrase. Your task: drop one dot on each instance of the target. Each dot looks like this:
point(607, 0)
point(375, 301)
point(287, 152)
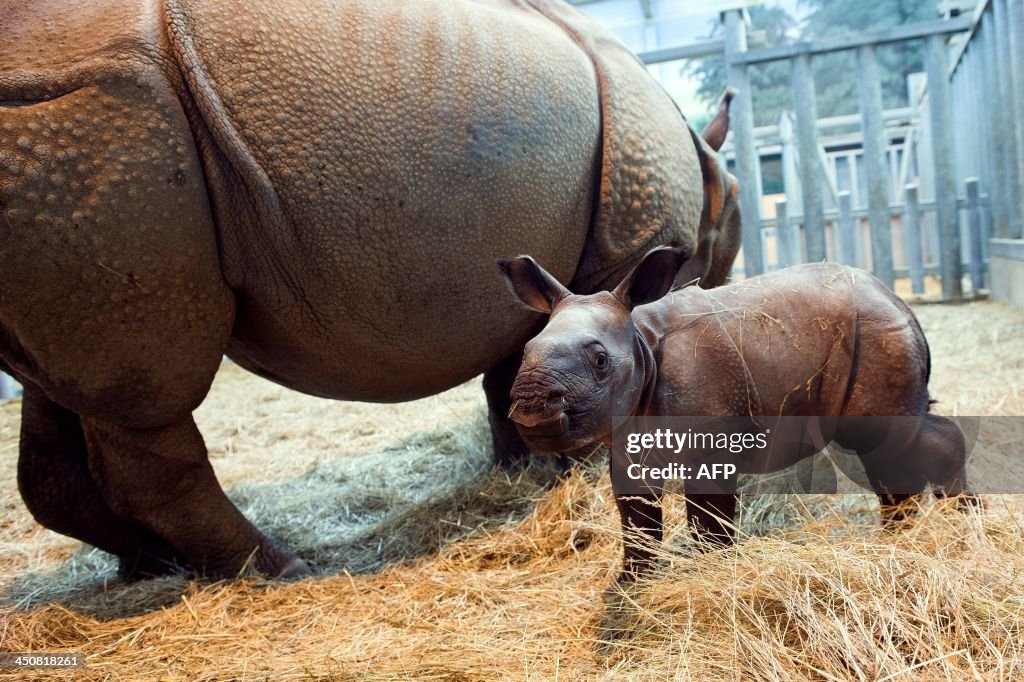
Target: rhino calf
point(819, 340)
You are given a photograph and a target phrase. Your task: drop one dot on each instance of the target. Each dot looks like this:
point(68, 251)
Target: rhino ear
point(653, 277)
point(531, 284)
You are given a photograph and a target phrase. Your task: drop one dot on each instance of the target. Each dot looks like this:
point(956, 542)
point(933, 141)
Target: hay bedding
point(431, 566)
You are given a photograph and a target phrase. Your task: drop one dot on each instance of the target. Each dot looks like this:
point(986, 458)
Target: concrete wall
point(1006, 270)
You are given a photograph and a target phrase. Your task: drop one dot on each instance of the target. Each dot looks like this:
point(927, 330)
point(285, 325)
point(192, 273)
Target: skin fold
point(814, 340)
point(315, 189)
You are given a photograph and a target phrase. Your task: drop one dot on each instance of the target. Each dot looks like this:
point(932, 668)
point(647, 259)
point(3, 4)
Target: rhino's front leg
point(642, 531)
point(160, 478)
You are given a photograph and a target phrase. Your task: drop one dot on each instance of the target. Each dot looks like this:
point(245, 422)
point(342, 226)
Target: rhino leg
point(509, 448)
point(116, 308)
point(161, 478)
point(943, 449)
point(510, 451)
point(59, 491)
point(642, 529)
point(711, 518)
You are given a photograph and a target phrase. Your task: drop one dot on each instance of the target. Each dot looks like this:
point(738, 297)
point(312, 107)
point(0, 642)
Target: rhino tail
point(716, 130)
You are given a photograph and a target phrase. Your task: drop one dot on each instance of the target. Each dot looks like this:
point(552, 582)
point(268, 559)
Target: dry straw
point(433, 567)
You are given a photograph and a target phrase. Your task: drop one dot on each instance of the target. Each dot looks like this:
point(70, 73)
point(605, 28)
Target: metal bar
point(945, 183)
point(783, 241)
point(974, 223)
point(747, 160)
point(912, 239)
point(845, 235)
point(894, 34)
point(806, 110)
point(870, 87)
point(707, 48)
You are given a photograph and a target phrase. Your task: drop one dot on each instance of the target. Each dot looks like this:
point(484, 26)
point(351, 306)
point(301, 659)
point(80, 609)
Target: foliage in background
point(835, 75)
point(770, 83)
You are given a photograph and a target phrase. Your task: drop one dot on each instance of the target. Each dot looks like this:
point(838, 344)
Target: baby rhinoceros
point(817, 340)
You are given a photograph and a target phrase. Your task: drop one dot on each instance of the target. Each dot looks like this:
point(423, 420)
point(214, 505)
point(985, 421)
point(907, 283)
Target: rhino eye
point(601, 360)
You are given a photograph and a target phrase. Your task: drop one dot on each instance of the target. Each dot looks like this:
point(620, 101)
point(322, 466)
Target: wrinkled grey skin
point(314, 188)
point(813, 340)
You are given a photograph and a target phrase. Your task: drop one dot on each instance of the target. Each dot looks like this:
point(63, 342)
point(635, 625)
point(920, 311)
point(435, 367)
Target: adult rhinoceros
point(316, 188)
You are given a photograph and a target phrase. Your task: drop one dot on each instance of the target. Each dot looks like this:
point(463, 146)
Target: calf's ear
point(652, 278)
point(531, 284)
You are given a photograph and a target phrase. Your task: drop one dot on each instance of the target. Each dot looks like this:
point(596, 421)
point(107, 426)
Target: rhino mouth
point(547, 426)
point(537, 413)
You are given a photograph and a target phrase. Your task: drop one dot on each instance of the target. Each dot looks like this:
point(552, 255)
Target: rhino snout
point(536, 402)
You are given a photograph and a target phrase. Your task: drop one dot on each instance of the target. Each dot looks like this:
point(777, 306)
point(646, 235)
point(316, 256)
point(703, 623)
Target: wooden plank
point(806, 109)
point(976, 237)
point(875, 171)
point(1004, 102)
point(747, 161)
point(846, 235)
point(706, 48)
point(912, 239)
point(945, 182)
point(883, 36)
point(783, 236)
point(1015, 62)
point(997, 157)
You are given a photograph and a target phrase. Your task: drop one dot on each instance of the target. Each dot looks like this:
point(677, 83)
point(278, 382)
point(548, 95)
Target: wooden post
point(912, 238)
point(790, 164)
point(1005, 101)
point(977, 240)
point(873, 127)
point(1016, 60)
point(845, 235)
point(945, 183)
point(997, 152)
point(742, 125)
point(806, 110)
point(783, 241)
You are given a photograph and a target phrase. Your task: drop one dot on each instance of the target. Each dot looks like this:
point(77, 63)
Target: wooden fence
point(970, 176)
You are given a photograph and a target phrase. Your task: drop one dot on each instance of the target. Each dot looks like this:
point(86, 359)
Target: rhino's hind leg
point(712, 518)
point(59, 491)
point(509, 448)
point(161, 478)
point(510, 451)
point(941, 446)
